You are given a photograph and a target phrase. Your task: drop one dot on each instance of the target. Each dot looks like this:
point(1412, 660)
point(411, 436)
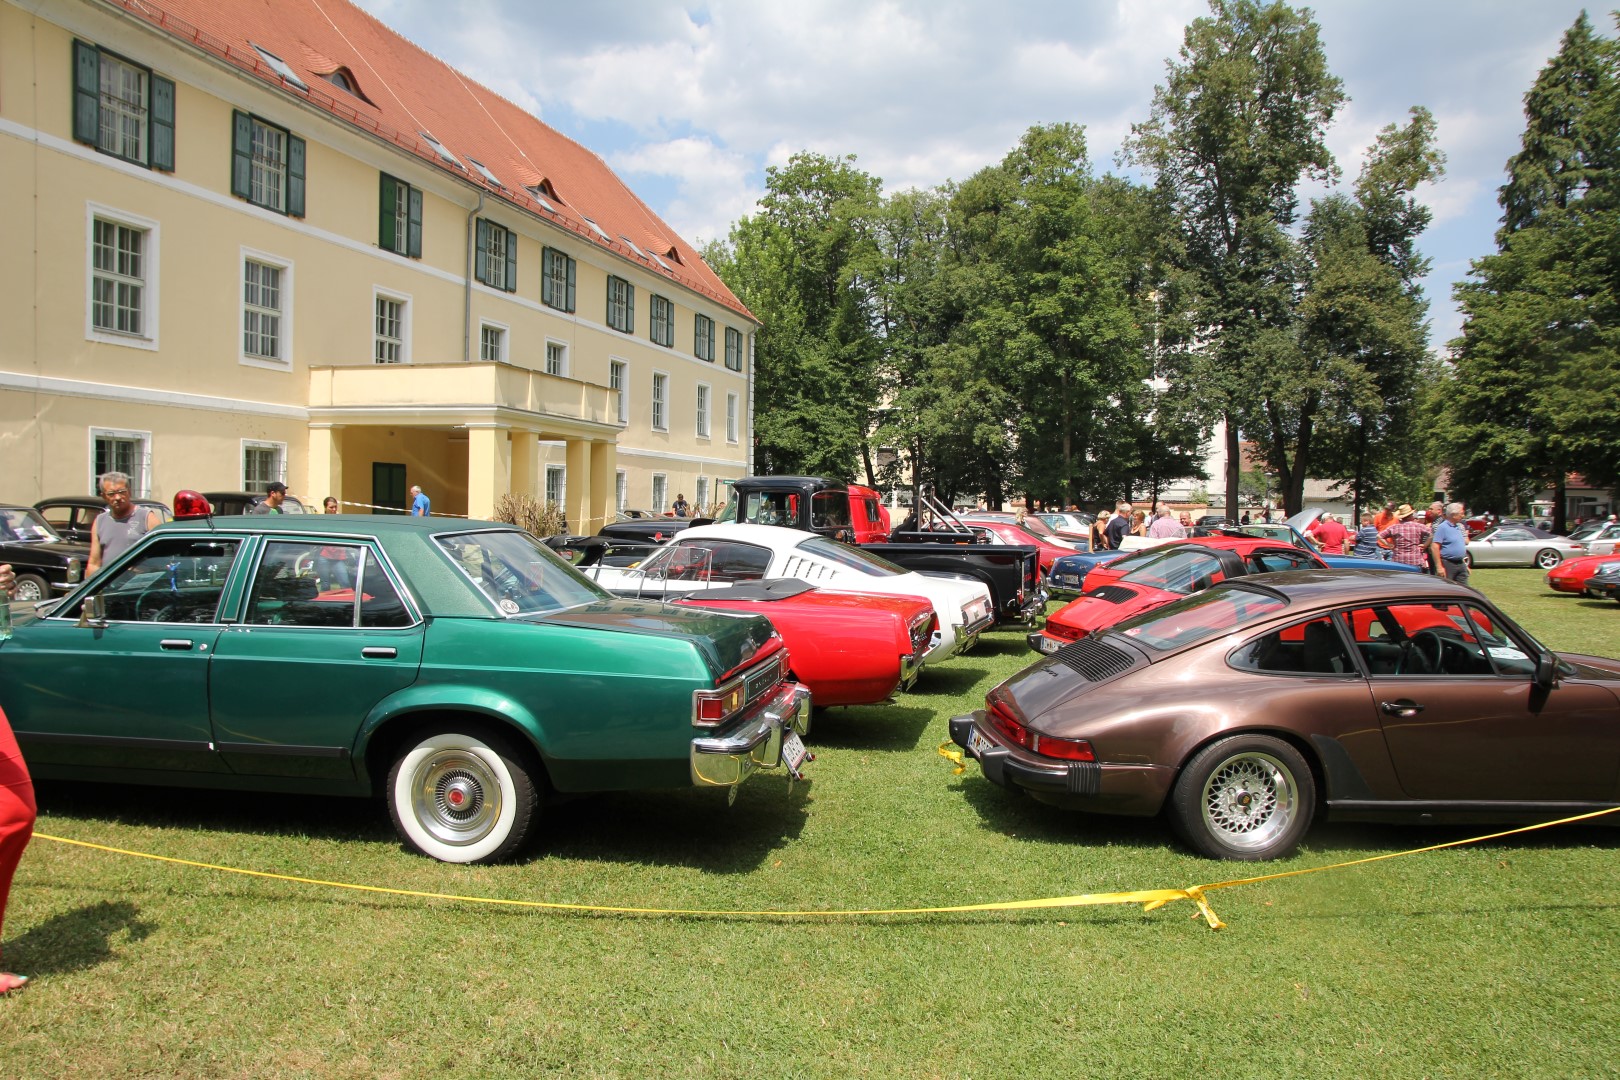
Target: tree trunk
point(1234, 467)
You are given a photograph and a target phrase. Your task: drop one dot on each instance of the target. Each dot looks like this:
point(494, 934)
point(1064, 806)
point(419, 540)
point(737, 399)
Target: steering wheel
point(1431, 648)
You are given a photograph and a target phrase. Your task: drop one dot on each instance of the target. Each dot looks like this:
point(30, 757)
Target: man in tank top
point(123, 523)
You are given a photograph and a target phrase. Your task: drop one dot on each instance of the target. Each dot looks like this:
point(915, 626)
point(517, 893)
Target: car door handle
point(379, 652)
point(1401, 708)
point(175, 644)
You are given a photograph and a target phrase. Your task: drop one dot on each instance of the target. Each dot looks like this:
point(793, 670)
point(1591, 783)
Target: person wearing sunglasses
point(120, 525)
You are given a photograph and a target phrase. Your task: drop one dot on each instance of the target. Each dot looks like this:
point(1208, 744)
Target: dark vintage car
point(46, 563)
point(228, 503)
point(73, 516)
point(1245, 711)
point(1604, 584)
point(459, 669)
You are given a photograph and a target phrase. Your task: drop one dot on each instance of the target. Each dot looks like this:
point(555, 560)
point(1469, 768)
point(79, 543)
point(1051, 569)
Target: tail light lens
point(1067, 633)
point(1017, 732)
point(711, 708)
point(1067, 749)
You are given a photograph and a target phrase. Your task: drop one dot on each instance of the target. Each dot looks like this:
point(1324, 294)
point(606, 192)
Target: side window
point(1314, 647)
point(1182, 571)
point(172, 580)
point(298, 584)
point(741, 562)
point(1267, 562)
point(1432, 640)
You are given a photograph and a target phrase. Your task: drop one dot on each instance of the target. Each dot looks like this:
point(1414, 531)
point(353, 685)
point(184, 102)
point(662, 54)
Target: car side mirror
point(1546, 670)
point(93, 613)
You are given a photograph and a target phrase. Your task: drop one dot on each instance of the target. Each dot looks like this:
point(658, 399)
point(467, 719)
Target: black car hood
point(26, 550)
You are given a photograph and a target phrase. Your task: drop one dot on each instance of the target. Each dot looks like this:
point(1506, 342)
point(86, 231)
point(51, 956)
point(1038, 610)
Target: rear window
point(1200, 616)
point(851, 557)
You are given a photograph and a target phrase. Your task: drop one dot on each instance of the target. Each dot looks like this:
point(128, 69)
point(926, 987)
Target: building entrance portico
point(467, 434)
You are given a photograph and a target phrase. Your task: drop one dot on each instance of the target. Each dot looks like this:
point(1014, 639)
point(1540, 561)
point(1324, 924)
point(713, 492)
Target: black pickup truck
point(856, 514)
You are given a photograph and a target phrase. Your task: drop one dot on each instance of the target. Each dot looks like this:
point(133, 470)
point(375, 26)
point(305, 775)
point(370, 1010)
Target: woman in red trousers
point(16, 804)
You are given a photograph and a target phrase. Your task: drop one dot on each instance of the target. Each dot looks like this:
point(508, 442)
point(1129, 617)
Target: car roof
point(1335, 587)
point(346, 524)
point(771, 536)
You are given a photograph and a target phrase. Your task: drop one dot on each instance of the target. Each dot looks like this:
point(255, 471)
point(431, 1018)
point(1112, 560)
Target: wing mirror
point(1546, 670)
point(93, 613)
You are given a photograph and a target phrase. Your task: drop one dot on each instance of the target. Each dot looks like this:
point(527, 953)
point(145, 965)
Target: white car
point(1519, 545)
point(706, 556)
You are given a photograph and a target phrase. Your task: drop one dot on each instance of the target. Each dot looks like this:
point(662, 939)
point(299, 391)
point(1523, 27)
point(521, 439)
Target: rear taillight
point(711, 708)
point(1067, 633)
point(1067, 749)
point(1003, 721)
point(1016, 732)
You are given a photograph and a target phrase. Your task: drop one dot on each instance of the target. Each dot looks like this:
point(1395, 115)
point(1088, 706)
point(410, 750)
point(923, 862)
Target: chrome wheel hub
point(457, 798)
point(1249, 800)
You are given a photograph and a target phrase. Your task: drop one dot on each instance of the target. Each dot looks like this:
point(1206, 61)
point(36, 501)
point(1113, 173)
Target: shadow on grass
point(870, 727)
point(668, 828)
point(76, 940)
point(1015, 814)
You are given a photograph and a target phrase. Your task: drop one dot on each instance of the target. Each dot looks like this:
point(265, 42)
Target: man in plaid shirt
point(1410, 538)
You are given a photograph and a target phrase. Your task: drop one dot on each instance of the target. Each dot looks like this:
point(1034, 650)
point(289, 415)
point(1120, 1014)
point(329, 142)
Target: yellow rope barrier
point(1150, 899)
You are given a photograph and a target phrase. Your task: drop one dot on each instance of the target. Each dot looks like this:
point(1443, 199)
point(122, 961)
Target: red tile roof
point(406, 91)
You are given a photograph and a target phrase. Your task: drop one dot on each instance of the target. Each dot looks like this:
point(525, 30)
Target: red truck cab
point(847, 512)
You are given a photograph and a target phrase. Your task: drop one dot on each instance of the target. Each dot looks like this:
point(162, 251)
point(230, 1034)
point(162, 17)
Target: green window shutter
point(242, 155)
point(570, 284)
point(481, 253)
point(387, 191)
point(629, 307)
point(160, 123)
point(86, 94)
point(414, 240)
point(295, 176)
point(511, 261)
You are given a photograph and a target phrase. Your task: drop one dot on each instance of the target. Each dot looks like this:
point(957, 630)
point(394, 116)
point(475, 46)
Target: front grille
point(1114, 594)
point(1094, 660)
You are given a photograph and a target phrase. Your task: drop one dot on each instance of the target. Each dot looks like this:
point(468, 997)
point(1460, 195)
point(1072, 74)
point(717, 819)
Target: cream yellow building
point(248, 241)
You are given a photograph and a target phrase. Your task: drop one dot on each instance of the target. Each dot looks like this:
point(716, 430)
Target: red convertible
point(1571, 575)
point(1010, 532)
point(848, 648)
point(1145, 579)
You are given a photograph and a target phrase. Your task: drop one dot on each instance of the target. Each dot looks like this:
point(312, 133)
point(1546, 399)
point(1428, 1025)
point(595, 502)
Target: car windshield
point(850, 557)
point(22, 523)
point(520, 575)
point(1200, 616)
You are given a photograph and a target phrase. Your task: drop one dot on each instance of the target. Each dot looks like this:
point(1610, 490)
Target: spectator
point(17, 808)
point(680, 507)
point(1164, 527)
point(1244, 520)
point(1451, 545)
point(1383, 520)
point(1329, 535)
point(1119, 525)
point(1409, 538)
point(421, 505)
point(1138, 522)
point(274, 496)
point(123, 523)
point(1366, 540)
point(331, 504)
point(1186, 523)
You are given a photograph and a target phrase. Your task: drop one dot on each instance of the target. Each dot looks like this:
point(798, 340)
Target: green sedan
point(459, 669)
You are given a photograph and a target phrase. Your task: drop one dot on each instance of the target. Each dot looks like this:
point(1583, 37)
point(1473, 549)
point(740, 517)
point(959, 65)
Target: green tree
point(1537, 368)
point(1239, 121)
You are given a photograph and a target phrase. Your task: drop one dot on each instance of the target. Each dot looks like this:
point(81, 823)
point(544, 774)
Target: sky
point(691, 103)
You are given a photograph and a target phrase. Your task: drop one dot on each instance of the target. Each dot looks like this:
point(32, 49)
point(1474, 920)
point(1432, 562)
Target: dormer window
point(483, 170)
point(442, 150)
point(540, 197)
point(280, 67)
point(661, 262)
point(598, 230)
point(545, 193)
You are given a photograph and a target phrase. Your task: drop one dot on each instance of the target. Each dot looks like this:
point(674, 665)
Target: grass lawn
point(1490, 959)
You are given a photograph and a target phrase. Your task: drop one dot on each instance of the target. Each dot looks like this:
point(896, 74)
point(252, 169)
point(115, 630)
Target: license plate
point(793, 753)
point(979, 743)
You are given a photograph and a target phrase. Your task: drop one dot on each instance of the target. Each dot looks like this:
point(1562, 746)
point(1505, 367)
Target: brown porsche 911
point(1244, 711)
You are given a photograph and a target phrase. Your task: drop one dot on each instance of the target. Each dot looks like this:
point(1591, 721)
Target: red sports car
point(1571, 575)
point(1010, 532)
point(1153, 576)
point(848, 648)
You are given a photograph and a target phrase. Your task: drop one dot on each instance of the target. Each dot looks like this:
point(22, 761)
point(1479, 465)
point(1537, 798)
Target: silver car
point(1519, 545)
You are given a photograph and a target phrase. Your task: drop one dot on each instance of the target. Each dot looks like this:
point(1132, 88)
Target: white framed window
point(701, 495)
point(121, 267)
point(556, 484)
point(621, 489)
point(621, 304)
point(269, 176)
point(267, 164)
point(556, 278)
point(262, 464)
point(496, 264)
point(660, 400)
point(556, 358)
point(391, 328)
point(618, 379)
point(702, 411)
point(734, 346)
point(267, 292)
point(660, 492)
point(492, 342)
point(731, 418)
point(128, 452)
